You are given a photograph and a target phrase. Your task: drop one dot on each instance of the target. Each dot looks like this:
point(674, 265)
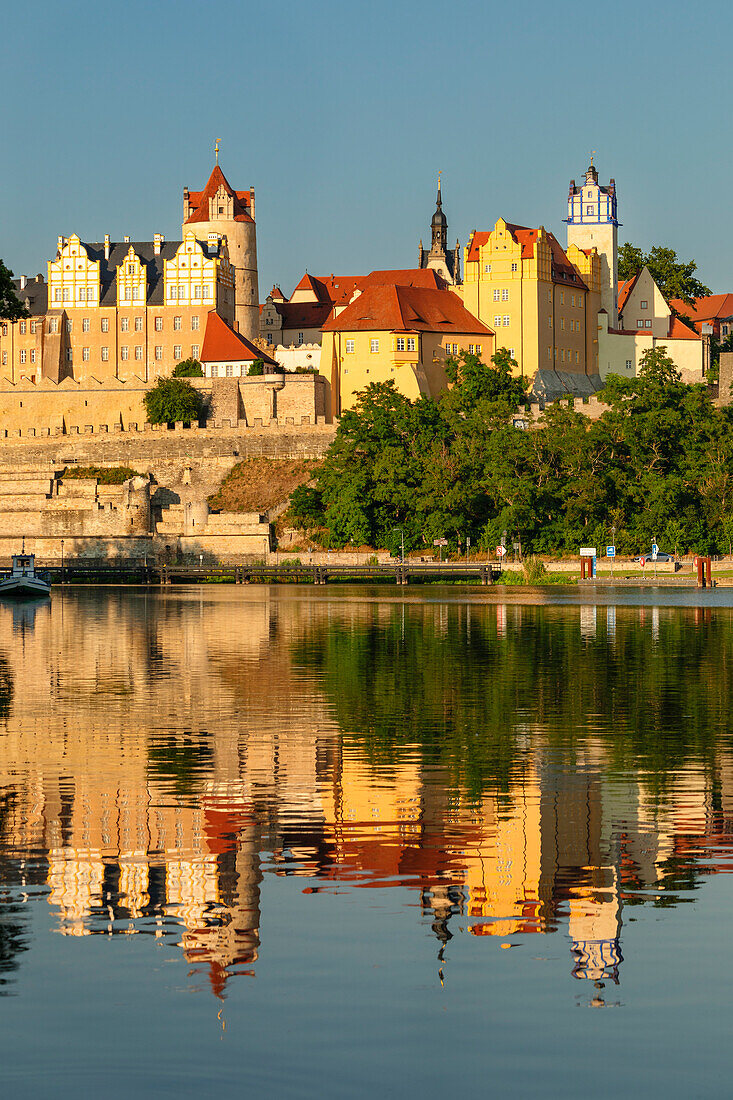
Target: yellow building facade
point(541, 301)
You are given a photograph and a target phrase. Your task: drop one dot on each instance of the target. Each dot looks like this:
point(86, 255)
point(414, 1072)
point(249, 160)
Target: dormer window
point(221, 209)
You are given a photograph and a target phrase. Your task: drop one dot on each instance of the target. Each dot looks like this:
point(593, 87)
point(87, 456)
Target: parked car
point(661, 556)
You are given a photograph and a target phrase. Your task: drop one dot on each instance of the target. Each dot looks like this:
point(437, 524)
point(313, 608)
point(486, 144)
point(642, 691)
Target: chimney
point(126, 240)
point(186, 204)
point(252, 203)
point(106, 246)
point(23, 281)
point(158, 239)
point(62, 242)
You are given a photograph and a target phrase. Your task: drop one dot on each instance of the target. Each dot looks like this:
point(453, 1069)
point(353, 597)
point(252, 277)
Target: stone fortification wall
point(592, 407)
point(69, 407)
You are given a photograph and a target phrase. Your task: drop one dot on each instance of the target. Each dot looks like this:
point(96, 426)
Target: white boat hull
point(23, 587)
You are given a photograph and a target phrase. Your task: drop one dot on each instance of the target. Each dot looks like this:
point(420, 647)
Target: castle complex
point(127, 311)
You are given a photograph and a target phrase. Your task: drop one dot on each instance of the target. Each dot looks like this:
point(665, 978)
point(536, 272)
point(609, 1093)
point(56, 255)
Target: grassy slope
point(258, 484)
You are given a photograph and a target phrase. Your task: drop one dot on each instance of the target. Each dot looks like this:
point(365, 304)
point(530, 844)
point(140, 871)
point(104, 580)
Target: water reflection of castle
point(165, 756)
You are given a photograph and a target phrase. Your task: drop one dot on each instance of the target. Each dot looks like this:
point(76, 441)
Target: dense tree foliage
point(675, 278)
point(171, 400)
point(658, 464)
point(10, 306)
point(188, 368)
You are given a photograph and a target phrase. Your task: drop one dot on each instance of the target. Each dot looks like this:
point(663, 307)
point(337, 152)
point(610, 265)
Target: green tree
point(256, 367)
point(675, 278)
point(188, 368)
point(10, 306)
point(172, 400)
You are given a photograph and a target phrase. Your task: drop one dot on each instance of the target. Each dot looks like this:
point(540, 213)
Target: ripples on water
point(226, 775)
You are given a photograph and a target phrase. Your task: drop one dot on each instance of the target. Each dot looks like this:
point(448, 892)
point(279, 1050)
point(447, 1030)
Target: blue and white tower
point(592, 223)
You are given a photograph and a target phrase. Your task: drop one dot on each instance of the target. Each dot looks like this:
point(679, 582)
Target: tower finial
point(216, 149)
point(593, 153)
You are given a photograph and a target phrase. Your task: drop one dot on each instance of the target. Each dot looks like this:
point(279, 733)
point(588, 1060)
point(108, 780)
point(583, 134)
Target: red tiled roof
point(394, 308)
point(425, 277)
point(330, 288)
point(678, 330)
point(200, 199)
point(562, 270)
point(221, 343)
point(711, 308)
point(303, 314)
point(277, 295)
point(624, 289)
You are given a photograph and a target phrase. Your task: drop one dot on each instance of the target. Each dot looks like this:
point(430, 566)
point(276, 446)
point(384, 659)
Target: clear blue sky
point(341, 113)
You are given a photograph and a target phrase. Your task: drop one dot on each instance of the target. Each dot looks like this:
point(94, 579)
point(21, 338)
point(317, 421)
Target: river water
point(348, 842)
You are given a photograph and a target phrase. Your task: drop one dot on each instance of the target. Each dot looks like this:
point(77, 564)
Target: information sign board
point(440, 542)
point(610, 551)
point(588, 552)
point(500, 551)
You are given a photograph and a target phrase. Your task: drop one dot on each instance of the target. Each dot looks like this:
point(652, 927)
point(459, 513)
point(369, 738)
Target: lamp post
point(62, 561)
point(402, 536)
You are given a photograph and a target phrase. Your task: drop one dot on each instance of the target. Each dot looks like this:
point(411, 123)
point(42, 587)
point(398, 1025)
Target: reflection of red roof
point(221, 343)
point(407, 309)
point(562, 270)
point(199, 200)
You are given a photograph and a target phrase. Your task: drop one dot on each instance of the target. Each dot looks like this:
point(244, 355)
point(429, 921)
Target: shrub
point(171, 400)
point(105, 475)
point(188, 368)
point(534, 570)
point(256, 367)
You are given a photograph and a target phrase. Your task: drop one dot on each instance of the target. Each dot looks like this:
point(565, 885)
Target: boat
point(24, 580)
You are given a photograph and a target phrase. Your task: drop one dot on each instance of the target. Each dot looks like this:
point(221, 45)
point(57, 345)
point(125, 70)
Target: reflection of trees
point(181, 761)
point(463, 691)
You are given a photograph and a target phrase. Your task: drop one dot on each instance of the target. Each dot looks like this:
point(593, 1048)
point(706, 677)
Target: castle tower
point(446, 263)
point(592, 223)
point(222, 210)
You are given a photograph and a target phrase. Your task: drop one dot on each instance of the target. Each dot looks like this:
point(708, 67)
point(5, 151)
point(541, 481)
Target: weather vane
point(216, 149)
point(593, 153)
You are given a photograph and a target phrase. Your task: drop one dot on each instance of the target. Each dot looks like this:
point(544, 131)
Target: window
point(497, 320)
point(572, 299)
point(85, 354)
point(22, 328)
point(124, 353)
point(505, 294)
point(194, 324)
point(81, 294)
point(197, 291)
point(5, 330)
point(577, 357)
point(374, 345)
point(269, 339)
point(138, 324)
point(562, 324)
point(57, 294)
point(589, 210)
point(53, 325)
point(230, 370)
point(549, 297)
point(629, 364)
point(172, 293)
point(5, 358)
point(549, 322)
point(506, 320)
point(105, 354)
point(22, 355)
point(181, 292)
point(410, 343)
point(158, 324)
point(511, 352)
point(68, 326)
point(514, 267)
point(487, 269)
point(562, 355)
point(125, 325)
point(549, 353)
point(177, 351)
point(300, 338)
point(215, 371)
point(478, 349)
point(497, 294)
point(85, 324)
point(643, 305)
point(158, 352)
point(208, 293)
point(640, 324)
point(400, 343)
point(562, 297)
point(195, 351)
point(176, 324)
point(69, 355)
point(66, 294)
point(470, 349)
point(138, 352)
point(648, 324)
point(350, 346)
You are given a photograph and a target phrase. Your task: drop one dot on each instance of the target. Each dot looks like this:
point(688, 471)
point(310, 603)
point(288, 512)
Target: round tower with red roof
point(222, 210)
